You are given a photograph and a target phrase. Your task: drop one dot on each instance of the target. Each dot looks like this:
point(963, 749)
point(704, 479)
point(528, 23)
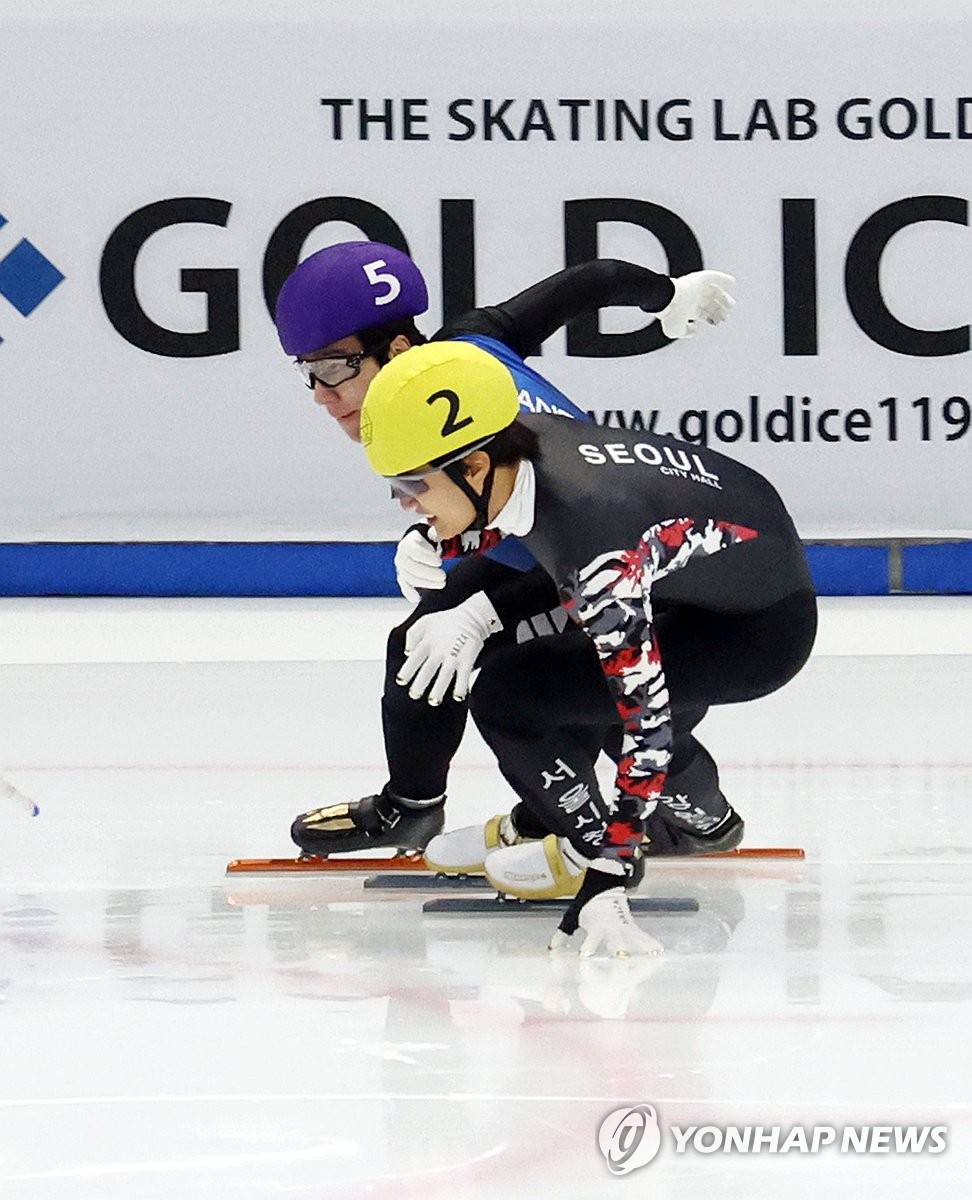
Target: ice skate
point(464, 851)
point(372, 823)
point(665, 838)
point(550, 869)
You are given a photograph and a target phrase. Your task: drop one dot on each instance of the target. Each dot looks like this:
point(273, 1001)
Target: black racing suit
point(688, 580)
point(421, 741)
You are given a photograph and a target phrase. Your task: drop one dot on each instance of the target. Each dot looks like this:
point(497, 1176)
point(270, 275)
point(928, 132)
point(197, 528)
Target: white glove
point(443, 646)
point(607, 921)
point(418, 564)
point(704, 294)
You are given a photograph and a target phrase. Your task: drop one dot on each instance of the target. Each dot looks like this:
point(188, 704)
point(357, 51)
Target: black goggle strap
point(479, 502)
point(377, 350)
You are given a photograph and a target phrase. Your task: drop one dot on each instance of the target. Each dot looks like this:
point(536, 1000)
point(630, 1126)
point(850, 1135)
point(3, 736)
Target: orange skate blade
point(766, 852)
point(325, 866)
point(415, 862)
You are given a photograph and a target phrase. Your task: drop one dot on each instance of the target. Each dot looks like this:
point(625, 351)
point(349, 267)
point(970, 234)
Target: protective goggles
point(408, 486)
point(413, 484)
point(334, 369)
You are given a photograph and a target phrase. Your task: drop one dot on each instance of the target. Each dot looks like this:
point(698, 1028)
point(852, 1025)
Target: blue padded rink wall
point(169, 1032)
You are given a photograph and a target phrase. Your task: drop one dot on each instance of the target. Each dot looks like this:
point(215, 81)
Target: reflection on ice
point(167, 1030)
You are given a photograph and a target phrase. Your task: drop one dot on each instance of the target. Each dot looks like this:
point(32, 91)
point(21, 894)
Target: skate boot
point(663, 837)
point(463, 851)
point(547, 870)
point(375, 822)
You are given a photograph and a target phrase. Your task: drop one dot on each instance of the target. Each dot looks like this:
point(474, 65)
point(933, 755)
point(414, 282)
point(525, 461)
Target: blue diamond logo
point(26, 277)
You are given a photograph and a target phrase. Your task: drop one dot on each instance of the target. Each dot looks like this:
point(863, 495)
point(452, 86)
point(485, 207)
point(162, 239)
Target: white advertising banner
point(162, 172)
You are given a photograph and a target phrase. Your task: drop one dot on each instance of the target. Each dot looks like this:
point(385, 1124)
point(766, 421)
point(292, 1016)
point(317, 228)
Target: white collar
point(515, 518)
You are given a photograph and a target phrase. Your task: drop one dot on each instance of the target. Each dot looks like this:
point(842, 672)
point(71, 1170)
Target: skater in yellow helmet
point(680, 565)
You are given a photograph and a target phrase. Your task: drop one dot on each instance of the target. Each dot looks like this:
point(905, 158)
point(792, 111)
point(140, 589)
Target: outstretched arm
point(526, 320)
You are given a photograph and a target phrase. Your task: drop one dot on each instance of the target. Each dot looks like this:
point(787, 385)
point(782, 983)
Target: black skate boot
point(374, 822)
point(693, 817)
point(663, 837)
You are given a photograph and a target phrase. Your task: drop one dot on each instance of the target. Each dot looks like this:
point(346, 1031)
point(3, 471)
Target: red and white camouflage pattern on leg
point(611, 599)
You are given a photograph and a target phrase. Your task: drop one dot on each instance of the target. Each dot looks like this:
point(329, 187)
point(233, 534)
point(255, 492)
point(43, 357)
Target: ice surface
point(168, 1032)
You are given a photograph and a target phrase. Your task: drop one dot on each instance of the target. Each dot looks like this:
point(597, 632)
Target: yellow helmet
point(432, 401)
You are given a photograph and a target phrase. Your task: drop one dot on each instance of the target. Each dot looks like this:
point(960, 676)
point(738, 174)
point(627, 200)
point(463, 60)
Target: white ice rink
point(167, 1032)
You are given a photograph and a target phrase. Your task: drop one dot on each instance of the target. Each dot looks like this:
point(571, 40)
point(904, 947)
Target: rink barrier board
point(875, 567)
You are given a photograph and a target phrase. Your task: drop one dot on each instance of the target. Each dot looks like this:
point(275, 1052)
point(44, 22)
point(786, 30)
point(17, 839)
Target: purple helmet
point(346, 288)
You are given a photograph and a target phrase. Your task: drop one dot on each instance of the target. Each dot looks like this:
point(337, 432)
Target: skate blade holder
point(511, 906)
point(426, 881)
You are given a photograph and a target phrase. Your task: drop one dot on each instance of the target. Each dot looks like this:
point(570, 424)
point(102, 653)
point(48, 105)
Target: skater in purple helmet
point(344, 313)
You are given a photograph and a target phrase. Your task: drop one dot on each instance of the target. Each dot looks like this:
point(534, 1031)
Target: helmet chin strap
point(479, 502)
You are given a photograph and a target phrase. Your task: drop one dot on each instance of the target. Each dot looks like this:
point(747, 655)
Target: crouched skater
point(681, 566)
point(345, 312)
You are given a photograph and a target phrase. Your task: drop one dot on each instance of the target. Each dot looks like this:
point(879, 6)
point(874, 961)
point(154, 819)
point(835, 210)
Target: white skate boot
point(464, 851)
point(547, 870)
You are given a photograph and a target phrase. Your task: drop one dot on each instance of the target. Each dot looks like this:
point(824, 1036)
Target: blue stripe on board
point(198, 569)
point(366, 569)
point(849, 570)
point(945, 567)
